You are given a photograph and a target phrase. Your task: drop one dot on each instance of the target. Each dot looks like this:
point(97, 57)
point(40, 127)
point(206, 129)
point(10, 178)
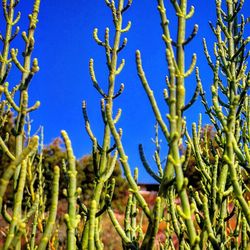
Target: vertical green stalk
point(9, 16)
point(180, 88)
point(52, 212)
point(27, 73)
point(176, 102)
point(16, 217)
point(18, 166)
point(229, 155)
point(227, 113)
point(126, 167)
point(84, 240)
point(92, 222)
point(104, 169)
point(71, 218)
point(152, 230)
point(231, 116)
point(233, 87)
point(34, 230)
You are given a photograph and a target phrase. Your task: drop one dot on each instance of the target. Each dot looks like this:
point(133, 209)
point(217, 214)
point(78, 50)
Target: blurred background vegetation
point(55, 154)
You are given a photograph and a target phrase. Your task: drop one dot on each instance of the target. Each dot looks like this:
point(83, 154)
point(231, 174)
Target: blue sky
point(64, 46)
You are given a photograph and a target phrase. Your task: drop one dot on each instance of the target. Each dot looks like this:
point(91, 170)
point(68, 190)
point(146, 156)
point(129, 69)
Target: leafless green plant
point(22, 161)
point(214, 216)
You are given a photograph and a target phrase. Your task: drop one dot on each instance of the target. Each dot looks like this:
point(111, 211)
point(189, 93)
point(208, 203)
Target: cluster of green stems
point(202, 218)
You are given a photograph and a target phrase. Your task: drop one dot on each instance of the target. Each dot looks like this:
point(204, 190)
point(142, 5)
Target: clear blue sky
point(64, 46)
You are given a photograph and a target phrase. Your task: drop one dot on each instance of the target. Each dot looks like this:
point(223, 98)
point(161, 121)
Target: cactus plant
point(22, 160)
point(223, 178)
point(214, 215)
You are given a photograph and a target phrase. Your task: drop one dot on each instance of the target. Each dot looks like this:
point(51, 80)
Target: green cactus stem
point(92, 219)
point(17, 205)
point(30, 149)
point(124, 162)
point(27, 71)
point(52, 213)
point(71, 218)
point(175, 99)
point(126, 240)
point(149, 239)
point(9, 12)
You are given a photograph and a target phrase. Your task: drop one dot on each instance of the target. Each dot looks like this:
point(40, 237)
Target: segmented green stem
point(17, 206)
point(8, 173)
point(9, 16)
point(52, 212)
point(71, 218)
